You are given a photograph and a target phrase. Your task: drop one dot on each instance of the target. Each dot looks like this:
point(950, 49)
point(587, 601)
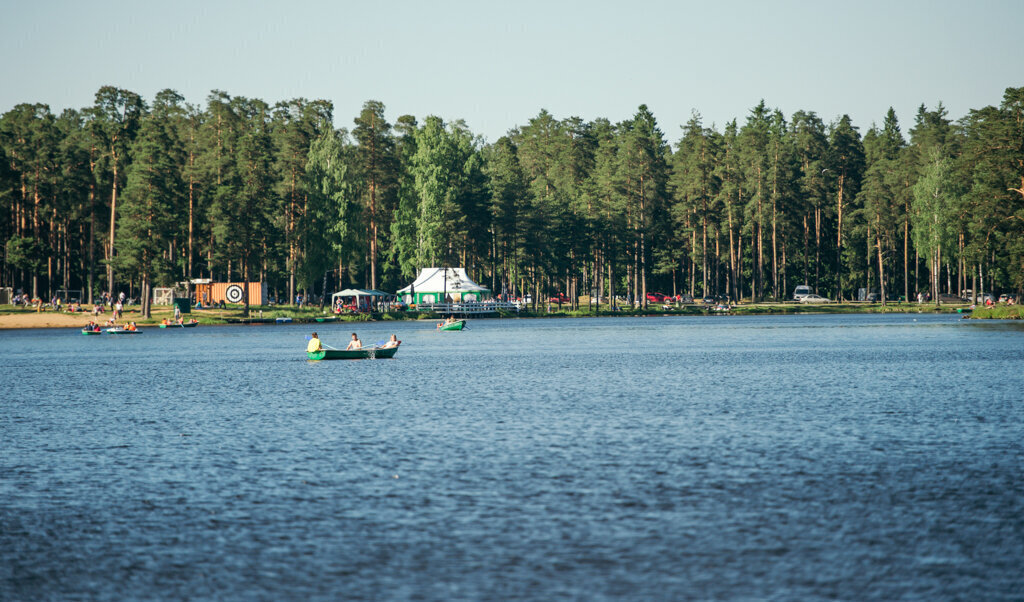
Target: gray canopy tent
point(363, 299)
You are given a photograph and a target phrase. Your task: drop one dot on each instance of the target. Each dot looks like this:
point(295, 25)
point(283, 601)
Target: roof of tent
point(439, 280)
point(360, 292)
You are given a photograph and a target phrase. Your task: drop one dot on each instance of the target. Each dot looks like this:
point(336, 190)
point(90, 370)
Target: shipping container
point(230, 292)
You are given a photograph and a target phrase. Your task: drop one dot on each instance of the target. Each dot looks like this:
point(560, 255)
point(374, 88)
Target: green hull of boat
point(120, 331)
point(92, 332)
point(327, 319)
point(455, 325)
point(355, 354)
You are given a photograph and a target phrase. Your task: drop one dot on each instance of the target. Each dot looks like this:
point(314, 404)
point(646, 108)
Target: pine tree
point(846, 165)
point(404, 235)
point(811, 147)
point(375, 159)
point(508, 191)
point(332, 213)
point(643, 162)
point(114, 120)
point(153, 191)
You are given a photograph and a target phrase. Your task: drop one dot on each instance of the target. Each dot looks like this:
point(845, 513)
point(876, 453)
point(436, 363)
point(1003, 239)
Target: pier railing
point(469, 307)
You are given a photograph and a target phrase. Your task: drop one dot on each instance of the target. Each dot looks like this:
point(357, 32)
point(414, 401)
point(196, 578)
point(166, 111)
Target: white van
point(801, 291)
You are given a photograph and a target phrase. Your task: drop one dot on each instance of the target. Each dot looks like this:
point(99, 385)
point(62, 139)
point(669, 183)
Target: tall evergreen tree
point(151, 197)
point(846, 165)
point(114, 120)
point(644, 167)
point(375, 156)
point(331, 215)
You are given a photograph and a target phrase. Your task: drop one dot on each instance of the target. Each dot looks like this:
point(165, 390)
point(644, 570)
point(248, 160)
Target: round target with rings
point(233, 293)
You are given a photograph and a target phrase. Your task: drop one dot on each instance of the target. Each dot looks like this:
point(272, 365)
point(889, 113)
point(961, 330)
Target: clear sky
point(497, 64)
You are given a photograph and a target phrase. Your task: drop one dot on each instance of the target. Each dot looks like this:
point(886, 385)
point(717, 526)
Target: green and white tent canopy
point(436, 285)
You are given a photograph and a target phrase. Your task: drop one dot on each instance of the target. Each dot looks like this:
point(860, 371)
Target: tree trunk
point(113, 213)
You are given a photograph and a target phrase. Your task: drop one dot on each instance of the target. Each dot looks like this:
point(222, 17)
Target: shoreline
point(19, 320)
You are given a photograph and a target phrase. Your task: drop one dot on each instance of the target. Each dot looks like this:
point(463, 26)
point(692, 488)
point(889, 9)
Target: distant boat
point(182, 325)
point(327, 319)
point(456, 325)
point(282, 320)
point(353, 354)
point(87, 331)
point(123, 331)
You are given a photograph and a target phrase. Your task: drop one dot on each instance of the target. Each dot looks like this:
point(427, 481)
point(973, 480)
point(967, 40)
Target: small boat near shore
point(182, 325)
point(87, 331)
point(122, 331)
point(456, 325)
point(368, 353)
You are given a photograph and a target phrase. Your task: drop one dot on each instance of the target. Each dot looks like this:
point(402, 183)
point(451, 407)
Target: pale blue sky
point(497, 64)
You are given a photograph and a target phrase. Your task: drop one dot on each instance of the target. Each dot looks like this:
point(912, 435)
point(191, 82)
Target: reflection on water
point(797, 457)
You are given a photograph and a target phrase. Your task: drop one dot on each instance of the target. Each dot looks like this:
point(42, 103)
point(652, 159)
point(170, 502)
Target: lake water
point(858, 457)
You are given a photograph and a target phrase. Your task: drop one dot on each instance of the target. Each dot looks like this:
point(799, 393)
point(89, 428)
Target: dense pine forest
point(126, 195)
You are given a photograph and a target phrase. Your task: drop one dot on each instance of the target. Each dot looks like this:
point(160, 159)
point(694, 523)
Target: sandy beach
point(48, 319)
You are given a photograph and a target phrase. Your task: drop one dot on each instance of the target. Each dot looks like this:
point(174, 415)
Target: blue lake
point(859, 457)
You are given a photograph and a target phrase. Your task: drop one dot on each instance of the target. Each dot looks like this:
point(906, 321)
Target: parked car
point(559, 298)
point(655, 297)
point(874, 297)
point(684, 298)
point(812, 298)
point(708, 300)
point(801, 291)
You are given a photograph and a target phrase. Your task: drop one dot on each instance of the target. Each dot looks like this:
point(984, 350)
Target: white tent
point(434, 285)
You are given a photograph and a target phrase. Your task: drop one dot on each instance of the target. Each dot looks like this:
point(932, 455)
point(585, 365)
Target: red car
point(559, 298)
point(655, 298)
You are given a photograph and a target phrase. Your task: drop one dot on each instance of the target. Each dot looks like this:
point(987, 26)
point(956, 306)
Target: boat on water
point(456, 325)
point(88, 331)
point(122, 331)
point(182, 325)
point(282, 320)
point(328, 319)
point(367, 353)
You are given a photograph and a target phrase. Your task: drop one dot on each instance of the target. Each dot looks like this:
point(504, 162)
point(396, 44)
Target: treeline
point(128, 195)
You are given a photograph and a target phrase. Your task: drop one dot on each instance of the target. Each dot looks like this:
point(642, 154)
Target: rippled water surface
point(791, 458)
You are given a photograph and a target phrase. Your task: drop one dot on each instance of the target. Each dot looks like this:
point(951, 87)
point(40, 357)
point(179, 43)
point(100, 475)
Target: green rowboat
point(354, 354)
point(122, 331)
point(328, 319)
point(84, 331)
point(457, 325)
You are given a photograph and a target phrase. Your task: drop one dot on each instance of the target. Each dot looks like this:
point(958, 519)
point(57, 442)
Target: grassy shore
point(999, 312)
point(11, 317)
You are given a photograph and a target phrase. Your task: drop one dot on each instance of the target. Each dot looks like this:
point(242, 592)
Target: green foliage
point(26, 253)
point(331, 211)
point(239, 189)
